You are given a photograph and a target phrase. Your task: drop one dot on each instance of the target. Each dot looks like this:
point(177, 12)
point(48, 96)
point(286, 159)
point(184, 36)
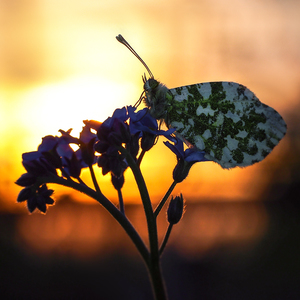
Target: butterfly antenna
point(126, 44)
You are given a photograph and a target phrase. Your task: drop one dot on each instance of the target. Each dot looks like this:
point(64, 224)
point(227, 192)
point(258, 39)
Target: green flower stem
point(94, 179)
point(164, 243)
point(165, 198)
point(111, 208)
point(157, 280)
point(139, 160)
point(121, 202)
point(80, 181)
point(154, 262)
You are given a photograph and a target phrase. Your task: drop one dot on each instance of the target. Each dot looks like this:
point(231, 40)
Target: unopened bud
point(147, 141)
point(87, 151)
point(117, 182)
point(175, 209)
point(181, 170)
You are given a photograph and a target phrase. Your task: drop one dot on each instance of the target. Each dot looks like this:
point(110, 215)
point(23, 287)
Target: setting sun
point(65, 104)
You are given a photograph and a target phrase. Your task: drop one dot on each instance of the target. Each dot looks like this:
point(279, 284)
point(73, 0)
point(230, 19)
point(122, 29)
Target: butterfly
point(224, 119)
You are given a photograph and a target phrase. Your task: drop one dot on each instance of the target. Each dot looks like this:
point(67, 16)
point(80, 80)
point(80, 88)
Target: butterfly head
point(150, 84)
point(154, 91)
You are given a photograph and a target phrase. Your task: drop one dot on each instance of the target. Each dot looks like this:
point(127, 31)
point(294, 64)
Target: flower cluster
point(133, 131)
point(53, 154)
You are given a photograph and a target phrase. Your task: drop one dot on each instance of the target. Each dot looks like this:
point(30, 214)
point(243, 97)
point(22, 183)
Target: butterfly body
point(223, 119)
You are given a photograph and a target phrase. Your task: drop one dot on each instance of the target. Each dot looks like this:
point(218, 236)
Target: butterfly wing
point(226, 120)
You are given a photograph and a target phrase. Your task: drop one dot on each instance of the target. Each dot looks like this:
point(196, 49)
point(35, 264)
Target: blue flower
point(112, 161)
point(39, 163)
point(114, 131)
point(71, 166)
point(54, 153)
point(142, 121)
point(185, 159)
point(112, 134)
point(146, 126)
point(84, 156)
point(44, 160)
point(191, 155)
point(39, 198)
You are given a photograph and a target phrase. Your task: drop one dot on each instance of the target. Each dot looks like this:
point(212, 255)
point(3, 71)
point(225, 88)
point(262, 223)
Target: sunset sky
point(60, 64)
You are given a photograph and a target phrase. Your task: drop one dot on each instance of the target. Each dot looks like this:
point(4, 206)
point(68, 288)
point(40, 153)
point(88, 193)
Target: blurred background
point(60, 64)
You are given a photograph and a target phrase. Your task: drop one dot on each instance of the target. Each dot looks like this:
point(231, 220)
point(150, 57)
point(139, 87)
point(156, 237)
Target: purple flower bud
point(112, 161)
point(133, 146)
point(114, 131)
point(104, 130)
point(147, 141)
point(101, 146)
point(34, 167)
point(121, 129)
point(72, 167)
point(181, 170)
point(26, 179)
point(87, 152)
point(175, 209)
point(24, 194)
point(117, 182)
point(53, 158)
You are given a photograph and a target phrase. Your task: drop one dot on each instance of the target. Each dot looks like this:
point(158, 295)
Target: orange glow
point(60, 64)
point(212, 226)
point(83, 230)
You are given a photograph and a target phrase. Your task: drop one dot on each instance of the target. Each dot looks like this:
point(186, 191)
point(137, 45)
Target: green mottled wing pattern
point(226, 120)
